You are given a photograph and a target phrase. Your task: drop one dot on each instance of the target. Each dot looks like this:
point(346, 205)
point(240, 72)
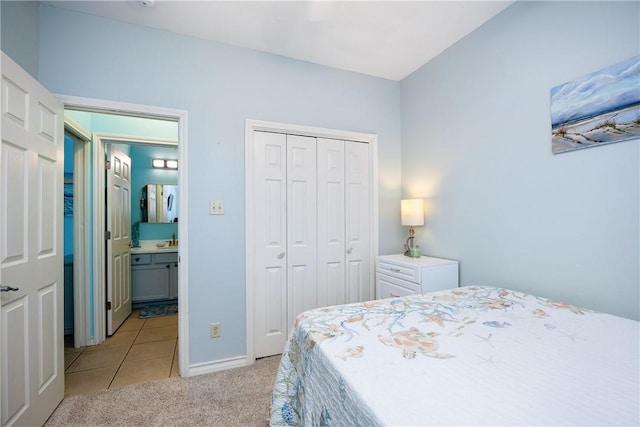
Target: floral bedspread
point(466, 356)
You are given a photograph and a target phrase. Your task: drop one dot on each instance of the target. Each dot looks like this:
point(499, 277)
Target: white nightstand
point(399, 275)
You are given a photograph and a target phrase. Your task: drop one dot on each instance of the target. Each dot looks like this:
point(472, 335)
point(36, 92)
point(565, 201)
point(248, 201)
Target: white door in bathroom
point(118, 243)
point(31, 252)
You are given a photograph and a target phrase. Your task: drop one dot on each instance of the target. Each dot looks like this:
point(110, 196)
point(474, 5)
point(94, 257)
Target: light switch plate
point(216, 208)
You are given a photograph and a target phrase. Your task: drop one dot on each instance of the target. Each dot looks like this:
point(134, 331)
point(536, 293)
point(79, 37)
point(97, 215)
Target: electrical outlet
point(216, 208)
point(214, 330)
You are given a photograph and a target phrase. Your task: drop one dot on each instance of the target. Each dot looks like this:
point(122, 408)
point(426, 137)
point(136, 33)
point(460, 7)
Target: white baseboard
point(217, 365)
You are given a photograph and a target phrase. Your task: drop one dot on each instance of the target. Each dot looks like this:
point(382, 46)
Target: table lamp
point(412, 214)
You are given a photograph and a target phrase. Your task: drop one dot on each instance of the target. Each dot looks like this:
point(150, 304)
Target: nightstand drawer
point(405, 272)
point(398, 275)
point(393, 287)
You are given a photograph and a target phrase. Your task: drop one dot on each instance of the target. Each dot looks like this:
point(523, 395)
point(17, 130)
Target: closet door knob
point(281, 255)
point(349, 250)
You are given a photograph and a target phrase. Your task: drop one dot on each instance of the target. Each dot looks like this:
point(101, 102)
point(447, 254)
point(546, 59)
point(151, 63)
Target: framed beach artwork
point(600, 108)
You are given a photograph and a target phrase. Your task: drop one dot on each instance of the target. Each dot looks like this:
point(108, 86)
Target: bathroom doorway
point(89, 313)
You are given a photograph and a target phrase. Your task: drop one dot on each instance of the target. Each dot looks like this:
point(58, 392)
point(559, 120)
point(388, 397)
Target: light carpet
point(230, 398)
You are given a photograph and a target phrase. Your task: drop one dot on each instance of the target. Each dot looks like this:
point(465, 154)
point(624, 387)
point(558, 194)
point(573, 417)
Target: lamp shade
point(412, 211)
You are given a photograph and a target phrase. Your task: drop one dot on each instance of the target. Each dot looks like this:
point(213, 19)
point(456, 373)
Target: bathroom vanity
point(154, 273)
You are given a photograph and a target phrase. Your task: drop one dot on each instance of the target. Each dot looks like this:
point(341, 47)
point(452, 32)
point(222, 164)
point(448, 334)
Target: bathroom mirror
point(159, 203)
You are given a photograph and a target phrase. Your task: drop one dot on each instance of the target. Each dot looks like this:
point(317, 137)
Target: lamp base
point(409, 249)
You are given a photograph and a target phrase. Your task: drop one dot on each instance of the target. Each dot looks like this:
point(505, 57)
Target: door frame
point(146, 111)
point(81, 240)
point(252, 126)
point(100, 140)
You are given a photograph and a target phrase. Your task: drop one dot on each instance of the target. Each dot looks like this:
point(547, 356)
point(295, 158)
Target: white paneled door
point(331, 219)
point(357, 223)
point(31, 258)
point(311, 229)
point(270, 234)
point(301, 226)
point(118, 243)
point(344, 222)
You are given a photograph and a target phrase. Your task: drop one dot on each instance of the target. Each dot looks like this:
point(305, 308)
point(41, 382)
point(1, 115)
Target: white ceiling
point(388, 39)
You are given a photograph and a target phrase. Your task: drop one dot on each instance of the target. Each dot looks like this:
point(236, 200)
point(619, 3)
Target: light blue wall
point(19, 33)
point(476, 144)
point(220, 87)
point(124, 125)
point(141, 156)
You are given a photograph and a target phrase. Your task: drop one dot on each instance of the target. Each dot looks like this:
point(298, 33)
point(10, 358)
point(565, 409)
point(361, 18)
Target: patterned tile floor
point(141, 350)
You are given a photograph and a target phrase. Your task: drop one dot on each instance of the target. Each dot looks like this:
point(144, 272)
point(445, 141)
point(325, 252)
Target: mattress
point(466, 356)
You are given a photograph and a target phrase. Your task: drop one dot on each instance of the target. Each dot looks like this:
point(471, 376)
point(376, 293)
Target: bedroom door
point(31, 250)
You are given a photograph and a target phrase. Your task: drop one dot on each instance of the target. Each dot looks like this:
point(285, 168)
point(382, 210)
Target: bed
point(466, 356)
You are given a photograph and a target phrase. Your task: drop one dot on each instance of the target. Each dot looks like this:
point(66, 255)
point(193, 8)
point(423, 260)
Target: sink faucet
point(173, 239)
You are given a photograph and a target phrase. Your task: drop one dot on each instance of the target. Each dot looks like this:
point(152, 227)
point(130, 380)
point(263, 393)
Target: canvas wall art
point(600, 108)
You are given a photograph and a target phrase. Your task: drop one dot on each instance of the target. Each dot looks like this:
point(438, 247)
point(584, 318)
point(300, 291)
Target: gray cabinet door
point(173, 280)
point(150, 282)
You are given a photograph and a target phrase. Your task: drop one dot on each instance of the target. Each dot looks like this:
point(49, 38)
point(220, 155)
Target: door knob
point(5, 288)
point(349, 250)
point(281, 255)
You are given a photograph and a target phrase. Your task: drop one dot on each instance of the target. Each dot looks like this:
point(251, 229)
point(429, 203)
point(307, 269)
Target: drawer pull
point(395, 296)
point(137, 258)
point(395, 270)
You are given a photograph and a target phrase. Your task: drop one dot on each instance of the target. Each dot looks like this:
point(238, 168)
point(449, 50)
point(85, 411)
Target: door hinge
point(108, 305)
point(107, 164)
point(107, 235)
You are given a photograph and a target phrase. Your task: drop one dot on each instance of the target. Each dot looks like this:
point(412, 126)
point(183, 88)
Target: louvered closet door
point(301, 226)
point(270, 236)
point(331, 222)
